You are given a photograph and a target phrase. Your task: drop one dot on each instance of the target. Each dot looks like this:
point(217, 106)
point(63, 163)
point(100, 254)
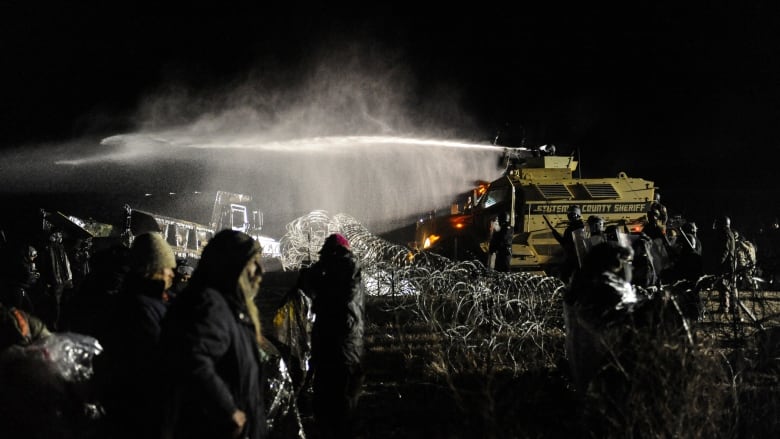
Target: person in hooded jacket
point(335, 287)
point(19, 278)
point(501, 242)
point(129, 365)
point(600, 296)
point(183, 274)
point(212, 344)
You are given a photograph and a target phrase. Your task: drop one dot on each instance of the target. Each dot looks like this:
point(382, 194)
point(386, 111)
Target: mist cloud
point(349, 131)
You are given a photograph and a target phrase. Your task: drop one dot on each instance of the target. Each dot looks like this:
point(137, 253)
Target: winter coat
point(501, 245)
point(130, 365)
point(688, 264)
point(566, 240)
point(334, 284)
point(211, 359)
point(213, 365)
point(596, 304)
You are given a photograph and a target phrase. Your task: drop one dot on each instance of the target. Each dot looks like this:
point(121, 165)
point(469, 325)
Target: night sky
point(686, 96)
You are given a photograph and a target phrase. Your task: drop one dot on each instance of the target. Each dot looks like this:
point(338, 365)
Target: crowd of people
point(180, 349)
point(622, 292)
point(666, 253)
point(184, 352)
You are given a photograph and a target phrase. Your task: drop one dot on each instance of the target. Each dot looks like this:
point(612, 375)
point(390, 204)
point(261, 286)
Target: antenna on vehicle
point(522, 138)
point(579, 164)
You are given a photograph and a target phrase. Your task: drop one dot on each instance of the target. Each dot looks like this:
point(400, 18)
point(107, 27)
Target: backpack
point(745, 253)
point(14, 327)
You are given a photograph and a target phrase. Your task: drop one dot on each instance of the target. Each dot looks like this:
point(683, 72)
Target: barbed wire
point(514, 319)
point(482, 317)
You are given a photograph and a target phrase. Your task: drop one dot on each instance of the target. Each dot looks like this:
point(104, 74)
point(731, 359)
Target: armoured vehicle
point(537, 184)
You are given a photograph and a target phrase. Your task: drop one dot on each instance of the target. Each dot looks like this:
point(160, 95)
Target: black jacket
point(211, 356)
point(212, 365)
point(501, 245)
point(334, 284)
point(566, 240)
point(128, 368)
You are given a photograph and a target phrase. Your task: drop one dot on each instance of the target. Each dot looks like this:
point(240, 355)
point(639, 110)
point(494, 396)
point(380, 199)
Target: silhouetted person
point(688, 268)
point(722, 261)
point(769, 253)
point(130, 366)
point(58, 279)
point(689, 253)
point(657, 250)
point(663, 214)
point(181, 278)
point(599, 296)
point(500, 246)
point(595, 232)
point(92, 308)
point(213, 346)
point(645, 265)
point(33, 402)
point(334, 284)
point(596, 225)
point(566, 240)
point(745, 256)
point(654, 226)
point(19, 277)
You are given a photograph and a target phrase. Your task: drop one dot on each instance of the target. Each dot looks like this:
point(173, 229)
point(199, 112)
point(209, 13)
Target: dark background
point(684, 95)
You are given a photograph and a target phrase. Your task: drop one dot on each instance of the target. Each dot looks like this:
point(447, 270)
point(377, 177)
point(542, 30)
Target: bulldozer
point(538, 185)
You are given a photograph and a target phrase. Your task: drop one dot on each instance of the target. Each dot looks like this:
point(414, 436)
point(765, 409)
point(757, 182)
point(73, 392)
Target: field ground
point(406, 395)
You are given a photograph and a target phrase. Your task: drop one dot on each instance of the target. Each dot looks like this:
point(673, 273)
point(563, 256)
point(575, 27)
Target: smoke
point(350, 132)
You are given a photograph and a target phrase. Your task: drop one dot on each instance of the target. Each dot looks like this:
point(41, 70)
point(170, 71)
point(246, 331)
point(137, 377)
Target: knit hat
point(333, 241)
point(150, 253)
point(185, 270)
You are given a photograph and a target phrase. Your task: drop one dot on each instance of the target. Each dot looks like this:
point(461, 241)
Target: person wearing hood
point(599, 296)
point(500, 248)
point(130, 361)
point(213, 346)
point(183, 274)
point(334, 285)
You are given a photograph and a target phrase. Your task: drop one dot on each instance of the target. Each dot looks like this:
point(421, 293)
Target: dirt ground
point(400, 399)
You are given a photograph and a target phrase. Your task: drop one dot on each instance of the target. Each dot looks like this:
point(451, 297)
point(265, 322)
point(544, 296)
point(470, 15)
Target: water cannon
point(517, 157)
point(547, 149)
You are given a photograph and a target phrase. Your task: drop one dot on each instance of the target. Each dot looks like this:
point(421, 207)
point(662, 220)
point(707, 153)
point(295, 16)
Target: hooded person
point(212, 342)
point(501, 243)
point(599, 296)
point(335, 287)
point(129, 365)
point(182, 276)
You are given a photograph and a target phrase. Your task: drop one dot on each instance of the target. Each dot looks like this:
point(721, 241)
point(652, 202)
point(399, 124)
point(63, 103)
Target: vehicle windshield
point(493, 197)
